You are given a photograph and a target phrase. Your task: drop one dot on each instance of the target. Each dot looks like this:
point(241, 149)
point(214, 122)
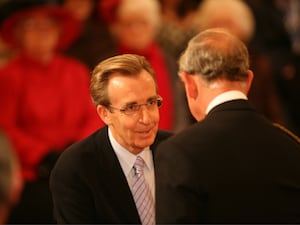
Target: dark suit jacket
point(88, 184)
point(233, 167)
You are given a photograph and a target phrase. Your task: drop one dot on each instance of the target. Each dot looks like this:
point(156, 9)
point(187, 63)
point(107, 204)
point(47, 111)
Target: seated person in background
point(93, 181)
point(46, 97)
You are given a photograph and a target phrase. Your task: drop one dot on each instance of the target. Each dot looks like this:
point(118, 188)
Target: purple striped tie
point(142, 195)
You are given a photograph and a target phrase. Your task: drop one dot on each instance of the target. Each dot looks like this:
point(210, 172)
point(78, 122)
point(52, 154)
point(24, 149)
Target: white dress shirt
point(225, 97)
point(127, 160)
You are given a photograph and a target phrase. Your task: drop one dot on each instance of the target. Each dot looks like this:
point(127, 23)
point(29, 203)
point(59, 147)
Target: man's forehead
point(124, 89)
point(120, 79)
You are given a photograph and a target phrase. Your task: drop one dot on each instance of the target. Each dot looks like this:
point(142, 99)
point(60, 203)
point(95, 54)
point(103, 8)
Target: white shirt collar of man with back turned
point(225, 97)
point(127, 159)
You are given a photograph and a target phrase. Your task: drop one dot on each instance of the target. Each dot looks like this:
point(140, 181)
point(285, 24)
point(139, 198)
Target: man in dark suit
point(93, 180)
point(233, 166)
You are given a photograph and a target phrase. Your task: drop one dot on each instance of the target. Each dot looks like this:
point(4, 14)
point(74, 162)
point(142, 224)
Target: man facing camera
point(98, 179)
point(233, 166)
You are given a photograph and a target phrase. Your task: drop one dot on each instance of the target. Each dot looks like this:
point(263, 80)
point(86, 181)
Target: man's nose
point(145, 116)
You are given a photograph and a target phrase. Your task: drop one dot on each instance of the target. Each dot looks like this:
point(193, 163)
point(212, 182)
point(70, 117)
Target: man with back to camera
point(233, 166)
point(94, 179)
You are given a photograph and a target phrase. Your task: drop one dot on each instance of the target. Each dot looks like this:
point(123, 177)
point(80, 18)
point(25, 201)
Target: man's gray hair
point(214, 54)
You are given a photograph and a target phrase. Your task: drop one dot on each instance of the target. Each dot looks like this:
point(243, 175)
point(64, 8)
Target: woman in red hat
point(45, 97)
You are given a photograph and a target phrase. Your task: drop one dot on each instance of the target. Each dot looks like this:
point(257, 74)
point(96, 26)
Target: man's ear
point(103, 113)
point(190, 85)
point(249, 80)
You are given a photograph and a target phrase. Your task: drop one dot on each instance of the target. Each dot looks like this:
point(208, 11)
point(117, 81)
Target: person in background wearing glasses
point(91, 181)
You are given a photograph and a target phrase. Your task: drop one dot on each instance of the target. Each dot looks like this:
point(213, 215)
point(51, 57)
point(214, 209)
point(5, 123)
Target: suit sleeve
point(177, 199)
point(72, 199)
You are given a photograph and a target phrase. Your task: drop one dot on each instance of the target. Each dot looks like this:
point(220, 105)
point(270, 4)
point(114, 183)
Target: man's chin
point(146, 142)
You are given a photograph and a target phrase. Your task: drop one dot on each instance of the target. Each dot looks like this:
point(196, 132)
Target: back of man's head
point(216, 54)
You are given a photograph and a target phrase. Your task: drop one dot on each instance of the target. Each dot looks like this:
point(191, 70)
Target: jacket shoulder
point(161, 136)
point(288, 132)
point(164, 134)
point(83, 149)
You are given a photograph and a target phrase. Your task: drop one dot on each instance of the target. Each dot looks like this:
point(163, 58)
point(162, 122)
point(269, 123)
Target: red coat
point(45, 108)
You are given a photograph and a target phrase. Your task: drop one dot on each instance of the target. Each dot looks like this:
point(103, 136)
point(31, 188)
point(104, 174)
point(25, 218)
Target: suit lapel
point(114, 180)
point(117, 186)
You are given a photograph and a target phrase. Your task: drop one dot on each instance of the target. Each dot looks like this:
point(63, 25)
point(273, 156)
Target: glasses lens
point(134, 108)
point(131, 109)
point(159, 102)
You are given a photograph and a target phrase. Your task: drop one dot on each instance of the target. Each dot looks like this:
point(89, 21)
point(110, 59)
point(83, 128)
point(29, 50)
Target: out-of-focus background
point(48, 49)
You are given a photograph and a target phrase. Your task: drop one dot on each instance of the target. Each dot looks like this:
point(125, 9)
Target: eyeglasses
point(133, 108)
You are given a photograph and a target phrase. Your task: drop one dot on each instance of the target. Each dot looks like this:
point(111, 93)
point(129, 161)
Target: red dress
point(45, 108)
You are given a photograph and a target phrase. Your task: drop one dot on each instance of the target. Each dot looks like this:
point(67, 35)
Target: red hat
point(70, 26)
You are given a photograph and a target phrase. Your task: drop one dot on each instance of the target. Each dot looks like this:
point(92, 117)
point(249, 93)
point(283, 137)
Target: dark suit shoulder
point(87, 143)
point(287, 132)
point(161, 136)
point(185, 134)
point(83, 152)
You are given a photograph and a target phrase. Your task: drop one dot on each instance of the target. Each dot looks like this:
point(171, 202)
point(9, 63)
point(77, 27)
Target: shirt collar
point(126, 158)
point(224, 97)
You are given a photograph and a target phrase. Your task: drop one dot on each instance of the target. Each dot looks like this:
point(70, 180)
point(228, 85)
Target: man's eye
point(152, 102)
point(132, 107)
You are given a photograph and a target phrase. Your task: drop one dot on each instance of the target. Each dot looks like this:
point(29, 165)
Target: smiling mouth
point(145, 132)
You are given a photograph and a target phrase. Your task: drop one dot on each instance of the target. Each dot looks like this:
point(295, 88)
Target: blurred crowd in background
point(47, 55)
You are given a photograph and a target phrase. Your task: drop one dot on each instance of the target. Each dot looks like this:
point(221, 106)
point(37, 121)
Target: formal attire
point(232, 167)
point(91, 182)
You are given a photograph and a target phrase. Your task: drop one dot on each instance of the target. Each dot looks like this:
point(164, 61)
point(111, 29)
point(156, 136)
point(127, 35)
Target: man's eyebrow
point(130, 103)
point(135, 102)
point(153, 97)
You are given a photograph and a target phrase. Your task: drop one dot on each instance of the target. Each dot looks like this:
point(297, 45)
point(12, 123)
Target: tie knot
point(139, 166)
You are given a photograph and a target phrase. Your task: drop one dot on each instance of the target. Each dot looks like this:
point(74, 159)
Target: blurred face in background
point(135, 30)
point(136, 23)
point(38, 35)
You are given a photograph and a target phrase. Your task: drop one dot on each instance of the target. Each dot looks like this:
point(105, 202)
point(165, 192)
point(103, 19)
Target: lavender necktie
point(142, 195)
